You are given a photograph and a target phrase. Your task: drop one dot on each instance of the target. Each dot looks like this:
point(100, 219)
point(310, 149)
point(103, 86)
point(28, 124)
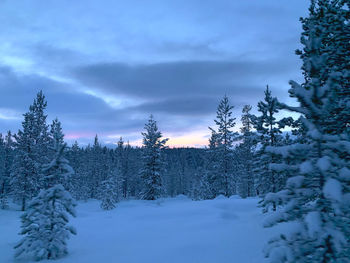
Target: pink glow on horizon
point(78, 135)
point(192, 139)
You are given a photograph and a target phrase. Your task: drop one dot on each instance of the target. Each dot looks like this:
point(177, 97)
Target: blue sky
point(105, 66)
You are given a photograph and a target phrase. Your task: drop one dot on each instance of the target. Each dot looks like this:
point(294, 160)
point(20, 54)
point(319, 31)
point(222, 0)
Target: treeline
point(303, 174)
point(23, 155)
point(233, 163)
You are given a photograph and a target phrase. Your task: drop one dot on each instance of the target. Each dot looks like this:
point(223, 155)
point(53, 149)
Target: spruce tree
point(25, 173)
point(44, 224)
point(58, 171)
point(97, 172)
point(244, 154)
point(3, 179)
point(32, 151)
point(152, 165)
point(268, 134)
point(110, 191)
point(5, 175)
point(79, 181)
point(316, 199)
point(122, 165)
point(200, 188)
point(223, 139)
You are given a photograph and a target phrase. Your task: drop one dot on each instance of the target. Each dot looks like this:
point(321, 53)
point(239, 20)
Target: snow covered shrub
point(45, 224)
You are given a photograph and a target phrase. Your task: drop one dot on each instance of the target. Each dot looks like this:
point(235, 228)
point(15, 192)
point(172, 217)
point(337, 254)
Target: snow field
point(170, 230)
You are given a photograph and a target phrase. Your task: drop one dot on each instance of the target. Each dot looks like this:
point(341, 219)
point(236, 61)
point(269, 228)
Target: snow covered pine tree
point(224, 138)
point(3, 178)
point(244, 155)
point(316, 201)
point(152, 163)
point(110, 191)
point(32, 144)
point(268, 134)
point(44, 223)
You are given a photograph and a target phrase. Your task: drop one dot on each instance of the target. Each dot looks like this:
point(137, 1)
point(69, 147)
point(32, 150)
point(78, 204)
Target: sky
point(105, 65)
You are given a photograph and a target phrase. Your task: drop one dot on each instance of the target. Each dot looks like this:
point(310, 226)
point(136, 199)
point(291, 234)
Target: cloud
point(181, 79)
point(78, 111)
point(105, 66)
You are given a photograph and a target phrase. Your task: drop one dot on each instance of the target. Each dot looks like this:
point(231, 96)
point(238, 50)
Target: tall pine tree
point(244, 154)
point(223, 139)
point(32, 151)
point(44, 224)
point(316, 199)
point(7, 152)
point(269, 134)
point(151, 160)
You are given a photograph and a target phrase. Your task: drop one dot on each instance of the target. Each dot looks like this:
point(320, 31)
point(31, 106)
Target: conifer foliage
point(152, 162)
point(221, 145)
point(45, 221)
point(268, 131)
point(6, 158)
point(44, 225)
point(316, 198)
point(109, 192)
point(304, 178)
point(244, 154)
point(32, 152)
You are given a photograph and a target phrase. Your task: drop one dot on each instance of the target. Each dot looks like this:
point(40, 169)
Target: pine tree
point(40, 128)
point(44, 224)
point(151, 160)
point(79, 181)
point(122, 165)
point(110, 191)
point(23, 178)
point(97, 172)
point(200, 188)
point(245, 154)
point(58, 171)
point(32, 151)
point(212, 162)
point(224, 138)
point(316, 198)
point(269, 134)
point(3, 179)
point(6, 149)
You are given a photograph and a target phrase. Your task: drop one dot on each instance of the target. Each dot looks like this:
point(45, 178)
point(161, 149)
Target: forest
point(298, 168)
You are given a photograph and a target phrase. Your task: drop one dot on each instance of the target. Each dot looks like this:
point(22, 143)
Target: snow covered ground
point(168, 230)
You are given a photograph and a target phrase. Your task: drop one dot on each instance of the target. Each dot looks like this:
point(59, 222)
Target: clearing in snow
point(166, 230)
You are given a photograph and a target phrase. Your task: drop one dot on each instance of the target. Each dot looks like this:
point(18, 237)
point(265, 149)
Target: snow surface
point(333, 189)
point(167, 230)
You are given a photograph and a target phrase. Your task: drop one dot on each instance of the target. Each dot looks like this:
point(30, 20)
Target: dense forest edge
point(299, 168)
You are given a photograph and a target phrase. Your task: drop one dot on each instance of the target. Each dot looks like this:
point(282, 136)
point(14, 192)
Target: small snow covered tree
point(151, 159)
point(268, 134)
point(111, 190)
point(44, 223)
point(244, 154)
point(316, 200)
point(224, 138)
point(200, 188)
